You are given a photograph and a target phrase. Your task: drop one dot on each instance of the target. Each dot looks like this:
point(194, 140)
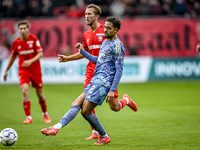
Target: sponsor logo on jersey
point(29, 42)
point(19, 47)
point(100, 34)
point(88, 40)
point(94, 47)
point(26, 52)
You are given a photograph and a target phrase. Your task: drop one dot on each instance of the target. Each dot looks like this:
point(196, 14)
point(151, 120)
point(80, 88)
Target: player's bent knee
point(77, 104)
point(114, 107)
point(84, 113)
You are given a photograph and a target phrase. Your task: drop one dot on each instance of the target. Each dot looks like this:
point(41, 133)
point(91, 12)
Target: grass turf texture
point(168, 118)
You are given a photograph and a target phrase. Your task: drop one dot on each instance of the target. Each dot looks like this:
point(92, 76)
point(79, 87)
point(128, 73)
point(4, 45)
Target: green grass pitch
point(168, 118)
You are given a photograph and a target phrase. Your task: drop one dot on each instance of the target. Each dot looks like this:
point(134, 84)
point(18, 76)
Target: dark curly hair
point(115, 21)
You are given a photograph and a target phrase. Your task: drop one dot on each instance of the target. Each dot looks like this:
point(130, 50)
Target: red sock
point(27, 107)
point(43, 105)
point(122, 103)
point(93, 111)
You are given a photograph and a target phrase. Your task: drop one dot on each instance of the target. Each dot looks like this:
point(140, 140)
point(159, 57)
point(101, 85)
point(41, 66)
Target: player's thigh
point(79, 100)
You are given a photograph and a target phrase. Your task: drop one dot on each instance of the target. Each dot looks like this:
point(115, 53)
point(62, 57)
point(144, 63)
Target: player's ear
point(97, 17)
point(115, 29)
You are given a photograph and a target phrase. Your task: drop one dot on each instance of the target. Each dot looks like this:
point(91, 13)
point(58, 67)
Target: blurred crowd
point(118, 8)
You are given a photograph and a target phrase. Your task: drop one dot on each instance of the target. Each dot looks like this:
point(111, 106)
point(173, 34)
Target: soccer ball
point(8, 136)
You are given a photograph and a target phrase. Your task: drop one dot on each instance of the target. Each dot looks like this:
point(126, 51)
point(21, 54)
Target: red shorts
point(34, 78)
point(87, 81)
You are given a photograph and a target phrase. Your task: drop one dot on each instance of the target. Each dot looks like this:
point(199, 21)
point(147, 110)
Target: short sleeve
point(14, 49)
point(85, 47)
point(38, 46)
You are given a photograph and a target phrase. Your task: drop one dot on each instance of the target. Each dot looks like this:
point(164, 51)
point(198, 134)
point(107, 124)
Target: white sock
point(94, 131)
point(58, 126)
point(45, 113)
point(126, 100)
point(29, 117)
point(106, 135)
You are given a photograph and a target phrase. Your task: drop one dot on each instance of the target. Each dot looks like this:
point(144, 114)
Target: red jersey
point(92, 42)
point(27, 50)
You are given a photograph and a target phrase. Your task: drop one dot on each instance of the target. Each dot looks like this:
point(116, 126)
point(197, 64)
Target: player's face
point(90, 16)
point(109, 31)
point(23, 30)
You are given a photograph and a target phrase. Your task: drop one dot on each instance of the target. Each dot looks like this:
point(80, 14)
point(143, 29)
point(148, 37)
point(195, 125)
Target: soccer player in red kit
point(92, 42)
point(29, 51)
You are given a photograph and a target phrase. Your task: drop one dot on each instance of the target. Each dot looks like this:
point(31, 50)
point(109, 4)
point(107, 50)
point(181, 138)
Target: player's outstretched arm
point(77, 56)
point(87, 55)
point(198, 48)
point(62, 58)
point(79, 46)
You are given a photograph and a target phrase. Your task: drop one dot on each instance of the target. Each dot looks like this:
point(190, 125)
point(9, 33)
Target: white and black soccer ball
point(8, 136)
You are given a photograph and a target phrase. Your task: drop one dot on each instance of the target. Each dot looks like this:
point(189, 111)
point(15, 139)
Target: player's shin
point(43, 105)
point(27, 107)
point(94, 122)
point(70, 115)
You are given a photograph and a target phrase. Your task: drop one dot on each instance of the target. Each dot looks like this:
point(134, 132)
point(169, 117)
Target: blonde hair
point(97, 9)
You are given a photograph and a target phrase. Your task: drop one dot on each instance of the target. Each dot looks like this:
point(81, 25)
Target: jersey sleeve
point(119, 52)
point(89, 56)
point(85, 47)
point(14, 49)
point(38, 46)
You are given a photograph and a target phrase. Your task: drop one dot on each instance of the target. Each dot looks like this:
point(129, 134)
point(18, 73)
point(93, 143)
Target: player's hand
point(62, 58)
point(198, 48)
point(79, 46)
point(110, 96)
point(5, 76)
point(26, 63)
